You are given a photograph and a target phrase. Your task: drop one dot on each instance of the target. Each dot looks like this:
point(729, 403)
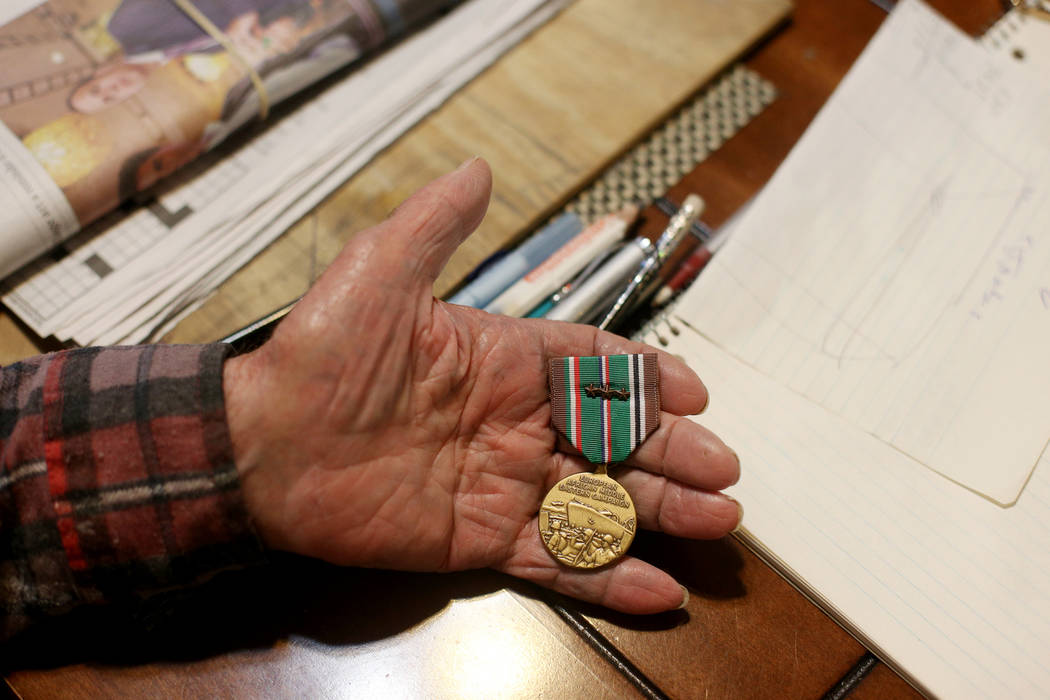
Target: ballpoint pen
point(586, 301)
point(665, 245)
point(553, 300)
point(545, 279)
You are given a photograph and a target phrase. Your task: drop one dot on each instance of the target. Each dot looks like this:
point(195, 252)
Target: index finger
point(682, 392)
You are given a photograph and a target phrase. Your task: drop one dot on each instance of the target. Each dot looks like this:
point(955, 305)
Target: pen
point(683, 275)
point(589, 298)
point(545, 306)
point(563, 264)
point(554, 299)
point(512, 266)
point(693, 265)
point(698, 229)
point(677, 228)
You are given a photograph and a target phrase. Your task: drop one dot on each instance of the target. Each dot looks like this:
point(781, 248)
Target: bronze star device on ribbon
point(606, 406)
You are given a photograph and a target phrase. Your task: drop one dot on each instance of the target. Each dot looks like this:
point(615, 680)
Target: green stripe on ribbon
point(621, 410)
point(590, 373)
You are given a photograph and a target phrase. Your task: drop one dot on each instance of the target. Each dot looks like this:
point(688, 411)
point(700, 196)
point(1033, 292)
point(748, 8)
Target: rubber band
point(369, 20)
point(218, 35)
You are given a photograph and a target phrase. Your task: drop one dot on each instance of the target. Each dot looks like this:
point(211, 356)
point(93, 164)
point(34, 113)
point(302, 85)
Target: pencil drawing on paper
point(860, 330)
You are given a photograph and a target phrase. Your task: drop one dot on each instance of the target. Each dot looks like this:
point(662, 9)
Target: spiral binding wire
point(660, 326)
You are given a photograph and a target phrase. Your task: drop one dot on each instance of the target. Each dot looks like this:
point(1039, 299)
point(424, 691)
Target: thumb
point(419, 237)
point(406, 252)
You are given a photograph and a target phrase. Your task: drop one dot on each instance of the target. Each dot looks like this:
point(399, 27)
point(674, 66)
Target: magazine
point(102, 99)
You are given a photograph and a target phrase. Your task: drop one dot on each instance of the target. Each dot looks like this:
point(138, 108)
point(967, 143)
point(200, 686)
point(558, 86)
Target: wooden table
point(305, 629)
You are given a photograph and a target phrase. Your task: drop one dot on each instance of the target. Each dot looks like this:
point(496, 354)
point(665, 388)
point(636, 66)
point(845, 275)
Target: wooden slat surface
point(547, 117)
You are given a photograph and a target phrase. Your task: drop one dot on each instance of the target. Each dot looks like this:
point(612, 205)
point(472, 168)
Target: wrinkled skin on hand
point(381, 427)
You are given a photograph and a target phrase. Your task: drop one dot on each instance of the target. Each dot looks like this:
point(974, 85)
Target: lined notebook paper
point(948, 588)
point(874, 336)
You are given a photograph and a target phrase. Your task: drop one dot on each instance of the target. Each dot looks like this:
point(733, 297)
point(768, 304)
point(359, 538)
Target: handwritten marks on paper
point(896, 271)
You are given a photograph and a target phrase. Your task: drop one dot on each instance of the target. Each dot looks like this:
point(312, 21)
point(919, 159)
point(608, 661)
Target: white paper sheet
point(896, 270)
point(12, 9)
point(947, 587)
point(34, 214)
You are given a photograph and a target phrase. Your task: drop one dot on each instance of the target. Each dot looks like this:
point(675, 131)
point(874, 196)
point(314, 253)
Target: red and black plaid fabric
point(116, 478)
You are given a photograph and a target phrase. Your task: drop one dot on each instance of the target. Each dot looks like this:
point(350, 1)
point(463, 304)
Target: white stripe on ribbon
point(641, 397)
point(633, 415)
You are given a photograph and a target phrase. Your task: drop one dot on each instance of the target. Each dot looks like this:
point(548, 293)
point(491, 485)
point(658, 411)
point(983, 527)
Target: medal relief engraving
point(587, 520)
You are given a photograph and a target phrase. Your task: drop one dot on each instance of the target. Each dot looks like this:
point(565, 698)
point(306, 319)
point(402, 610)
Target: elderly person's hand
point(381, 427)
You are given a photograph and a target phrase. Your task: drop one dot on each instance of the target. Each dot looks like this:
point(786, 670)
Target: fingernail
point(736, 456)
point(466, 164)
point(740, 515)
point(685, 597)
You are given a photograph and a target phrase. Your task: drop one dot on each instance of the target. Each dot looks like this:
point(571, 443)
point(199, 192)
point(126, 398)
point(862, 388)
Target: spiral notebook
point(874, 338)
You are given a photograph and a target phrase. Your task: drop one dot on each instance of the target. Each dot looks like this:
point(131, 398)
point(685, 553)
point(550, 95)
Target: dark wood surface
point(745, 633)
point(304, 629)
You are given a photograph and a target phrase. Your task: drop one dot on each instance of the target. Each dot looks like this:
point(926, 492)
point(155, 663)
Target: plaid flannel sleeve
point(116, 478)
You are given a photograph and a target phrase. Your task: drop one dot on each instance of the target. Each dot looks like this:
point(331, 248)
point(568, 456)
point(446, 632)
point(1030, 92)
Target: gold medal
point(587, 520)
point(606, 406)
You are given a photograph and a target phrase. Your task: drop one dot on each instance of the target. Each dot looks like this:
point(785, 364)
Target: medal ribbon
point(606, 405)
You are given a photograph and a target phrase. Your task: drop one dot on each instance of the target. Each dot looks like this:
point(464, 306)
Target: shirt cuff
point(139, 491)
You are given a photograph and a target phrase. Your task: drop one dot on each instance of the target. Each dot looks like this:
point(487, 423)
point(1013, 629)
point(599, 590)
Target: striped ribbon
point(618, 413)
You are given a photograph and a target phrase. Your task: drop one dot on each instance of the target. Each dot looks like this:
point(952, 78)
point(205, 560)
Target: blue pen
point(515, 264)
point(484, 265)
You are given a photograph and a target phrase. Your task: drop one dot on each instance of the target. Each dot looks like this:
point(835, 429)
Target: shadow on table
point(709, 568)
point(316, 602)
point(292, 596)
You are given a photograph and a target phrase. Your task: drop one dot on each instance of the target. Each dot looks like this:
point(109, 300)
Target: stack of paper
point(147, 270)
point(874, 336)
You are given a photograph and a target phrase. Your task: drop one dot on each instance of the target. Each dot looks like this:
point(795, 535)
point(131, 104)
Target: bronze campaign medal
point(587, 520)
point(606, 406)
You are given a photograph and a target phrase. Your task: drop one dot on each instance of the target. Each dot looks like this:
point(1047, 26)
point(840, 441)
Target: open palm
point(381, 427)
